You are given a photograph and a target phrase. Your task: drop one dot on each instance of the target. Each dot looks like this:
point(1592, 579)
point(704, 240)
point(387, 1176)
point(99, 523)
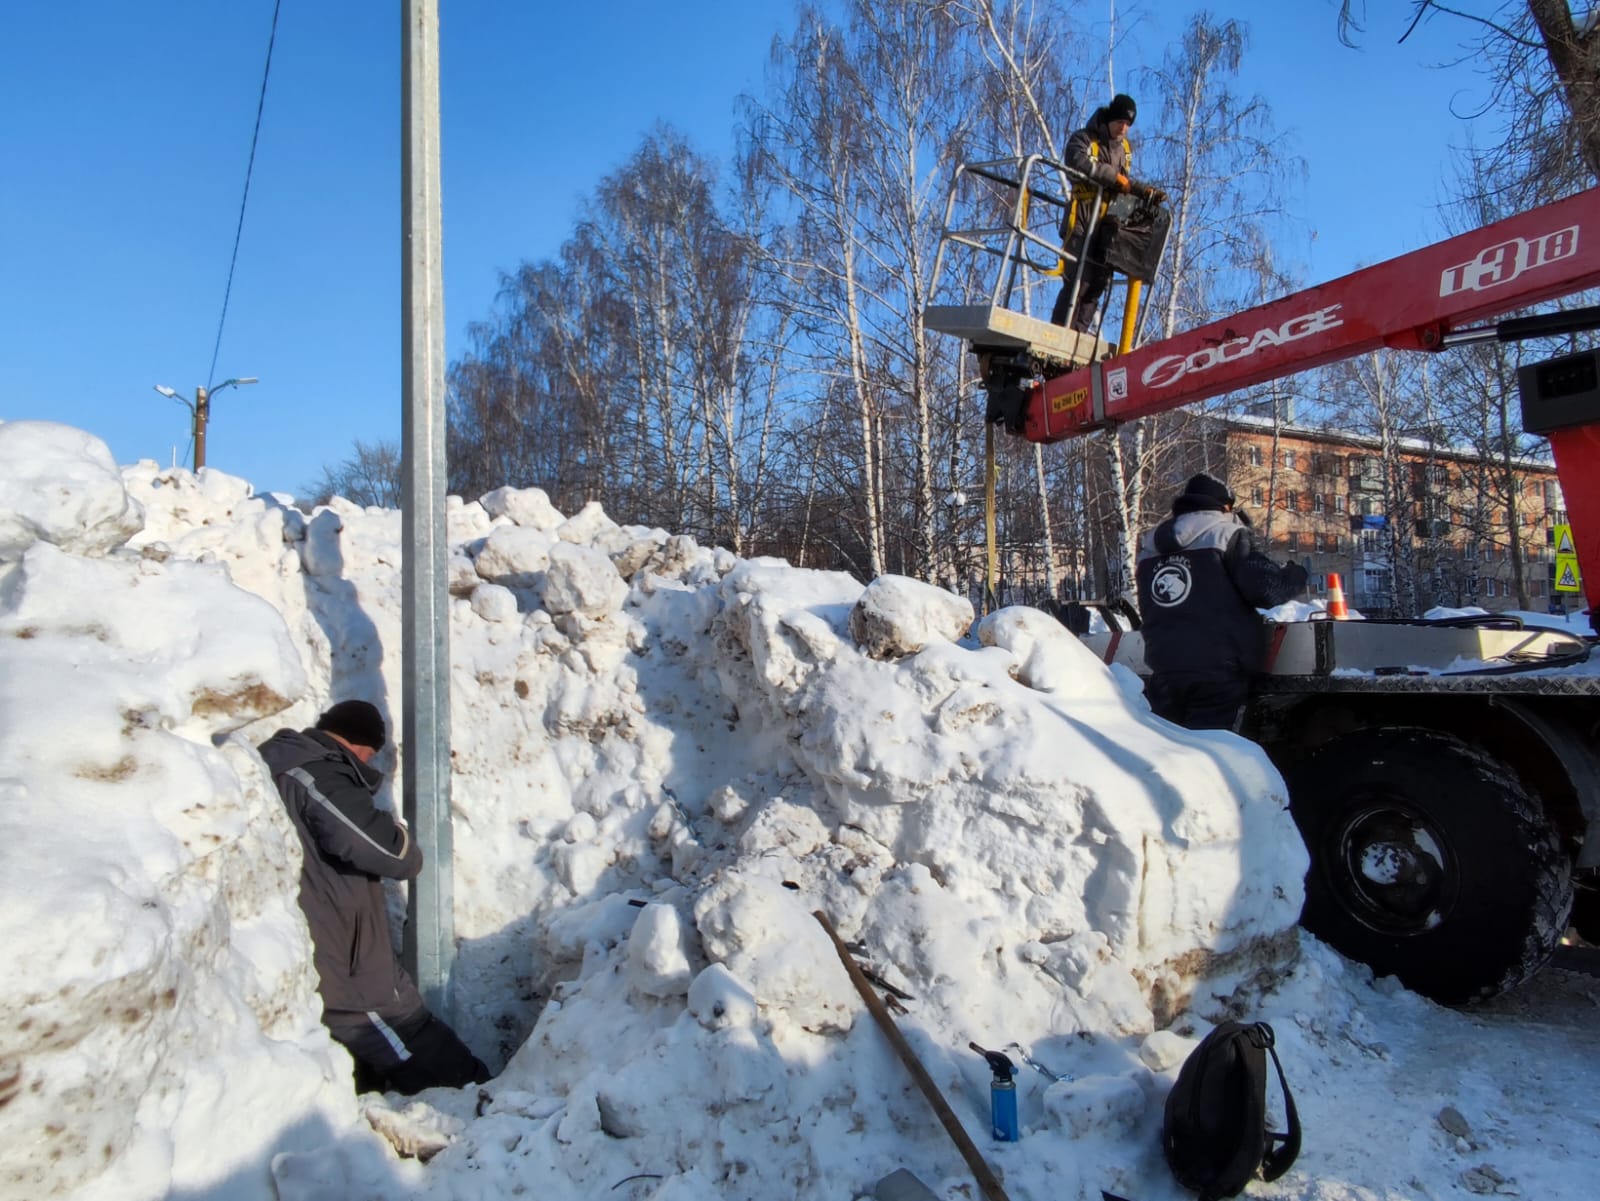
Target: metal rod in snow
point(429, 947)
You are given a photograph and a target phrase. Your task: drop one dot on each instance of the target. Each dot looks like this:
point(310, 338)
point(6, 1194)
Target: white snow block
point(61, 485)
point(658, 961)
point(718, 998)
point(898, 616)
point(494, 602)
point(1107, 1105)
point(514, 556)
point(582, 580)
point(526, 507)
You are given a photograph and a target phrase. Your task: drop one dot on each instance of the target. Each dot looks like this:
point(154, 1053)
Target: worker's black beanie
point(1202, 492)
point(1122, 108)
point(357, 722)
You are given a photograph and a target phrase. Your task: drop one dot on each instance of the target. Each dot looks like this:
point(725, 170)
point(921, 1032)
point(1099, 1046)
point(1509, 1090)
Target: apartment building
point(1438, 527)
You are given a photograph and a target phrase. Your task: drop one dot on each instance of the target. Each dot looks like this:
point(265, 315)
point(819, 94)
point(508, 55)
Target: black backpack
point(1214, 1130)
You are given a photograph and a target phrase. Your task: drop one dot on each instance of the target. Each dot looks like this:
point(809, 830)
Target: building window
point(1292, 540)
point(1338, 502)
point(1552, 495)
point(1255, 456)
point(1259, 497)
point(1288, 459)
point(1291, 501)
point(1319, 503)
point(1489, 586)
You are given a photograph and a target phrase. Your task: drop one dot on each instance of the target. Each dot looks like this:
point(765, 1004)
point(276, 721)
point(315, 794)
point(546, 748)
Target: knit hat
point(1121, 108)
point(1202, 492)
point(357, 722)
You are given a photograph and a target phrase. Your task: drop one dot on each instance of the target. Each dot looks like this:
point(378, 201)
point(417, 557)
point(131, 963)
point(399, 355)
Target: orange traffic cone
point(1336, 609)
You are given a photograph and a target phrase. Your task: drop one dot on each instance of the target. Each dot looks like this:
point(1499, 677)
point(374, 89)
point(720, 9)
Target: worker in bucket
point(1201, 579)
point(327, 781)
point(1103, 155)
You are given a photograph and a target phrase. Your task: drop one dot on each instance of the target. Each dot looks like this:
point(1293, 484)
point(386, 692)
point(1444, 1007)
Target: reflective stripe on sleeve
point(303, 778)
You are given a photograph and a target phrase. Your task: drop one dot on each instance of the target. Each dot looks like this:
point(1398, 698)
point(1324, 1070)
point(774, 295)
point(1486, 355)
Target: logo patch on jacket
point(1171, 583)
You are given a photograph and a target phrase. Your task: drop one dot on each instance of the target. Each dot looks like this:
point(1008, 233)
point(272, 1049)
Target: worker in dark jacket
point(1103, 155)
point(350, 847)
point(1201, 579)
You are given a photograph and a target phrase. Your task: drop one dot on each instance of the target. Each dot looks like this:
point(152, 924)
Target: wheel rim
point(1392, 869)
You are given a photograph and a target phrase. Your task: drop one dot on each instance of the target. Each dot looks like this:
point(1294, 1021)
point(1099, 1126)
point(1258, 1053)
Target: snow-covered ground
point(665, 761)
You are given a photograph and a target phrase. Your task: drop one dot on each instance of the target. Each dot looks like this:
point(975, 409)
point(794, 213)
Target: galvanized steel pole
point(425, 619)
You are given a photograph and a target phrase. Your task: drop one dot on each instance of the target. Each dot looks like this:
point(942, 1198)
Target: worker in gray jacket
point(1201, 581)
point(351, 846)
point(1102, 155)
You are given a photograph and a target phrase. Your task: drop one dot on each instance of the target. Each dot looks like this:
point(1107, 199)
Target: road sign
point(1567, 575)
point(1564, 543)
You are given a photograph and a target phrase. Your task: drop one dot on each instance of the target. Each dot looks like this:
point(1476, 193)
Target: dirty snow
point(666, 759)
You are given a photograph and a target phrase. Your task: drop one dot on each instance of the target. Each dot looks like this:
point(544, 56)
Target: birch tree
point(1541, 66)
point(1223, 165)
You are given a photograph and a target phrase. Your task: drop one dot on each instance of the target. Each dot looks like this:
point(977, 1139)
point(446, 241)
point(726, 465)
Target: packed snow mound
point(60, 486)
point(160, 956)
point(665, 761)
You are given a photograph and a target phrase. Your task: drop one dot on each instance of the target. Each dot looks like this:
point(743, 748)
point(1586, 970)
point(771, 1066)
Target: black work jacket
point(1201, 580)
point(350, 846)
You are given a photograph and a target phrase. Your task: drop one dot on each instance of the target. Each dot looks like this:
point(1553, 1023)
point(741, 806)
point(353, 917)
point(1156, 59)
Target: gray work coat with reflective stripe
point(1094, 152)
point(350, 847)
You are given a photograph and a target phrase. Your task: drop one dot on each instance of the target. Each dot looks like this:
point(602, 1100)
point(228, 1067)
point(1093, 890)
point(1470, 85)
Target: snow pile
point(157, 955)
point(665, 761)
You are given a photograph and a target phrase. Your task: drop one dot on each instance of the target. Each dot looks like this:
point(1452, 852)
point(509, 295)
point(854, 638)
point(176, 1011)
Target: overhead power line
point(238, 232)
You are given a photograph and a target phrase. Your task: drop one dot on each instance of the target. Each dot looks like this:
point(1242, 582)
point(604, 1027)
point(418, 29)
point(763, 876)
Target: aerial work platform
point(1002, 247)
point(990, 327)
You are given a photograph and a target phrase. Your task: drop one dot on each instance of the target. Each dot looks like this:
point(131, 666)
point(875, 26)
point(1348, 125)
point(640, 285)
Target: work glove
point(1147, 192)
point(1123, 184)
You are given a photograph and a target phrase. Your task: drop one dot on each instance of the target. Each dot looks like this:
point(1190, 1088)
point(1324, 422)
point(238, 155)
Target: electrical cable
point(1566, 659)
point(238, 232)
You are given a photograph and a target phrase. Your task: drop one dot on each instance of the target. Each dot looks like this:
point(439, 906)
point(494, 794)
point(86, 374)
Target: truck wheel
point(1429, 861)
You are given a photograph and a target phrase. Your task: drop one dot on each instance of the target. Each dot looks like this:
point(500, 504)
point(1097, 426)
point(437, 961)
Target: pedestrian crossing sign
point(1567, 575)
point(1563, 539)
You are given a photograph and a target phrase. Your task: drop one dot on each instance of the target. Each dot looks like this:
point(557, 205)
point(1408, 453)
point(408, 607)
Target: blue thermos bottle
point(1002, 1095)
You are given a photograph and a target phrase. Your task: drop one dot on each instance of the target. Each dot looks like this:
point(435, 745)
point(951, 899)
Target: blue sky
point(125, 132)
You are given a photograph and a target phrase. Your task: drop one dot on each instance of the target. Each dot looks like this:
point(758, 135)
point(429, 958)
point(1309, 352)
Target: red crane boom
point(1424, 300)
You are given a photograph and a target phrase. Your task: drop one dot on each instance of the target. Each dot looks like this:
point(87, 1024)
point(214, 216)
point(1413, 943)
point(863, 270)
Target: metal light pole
point(200, 411)
point(429, 943)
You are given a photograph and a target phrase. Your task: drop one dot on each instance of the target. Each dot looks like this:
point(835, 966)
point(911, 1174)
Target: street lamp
point(200, 410)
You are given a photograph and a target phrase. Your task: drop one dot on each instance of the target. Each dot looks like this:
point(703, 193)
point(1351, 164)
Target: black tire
point(1465, 891)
